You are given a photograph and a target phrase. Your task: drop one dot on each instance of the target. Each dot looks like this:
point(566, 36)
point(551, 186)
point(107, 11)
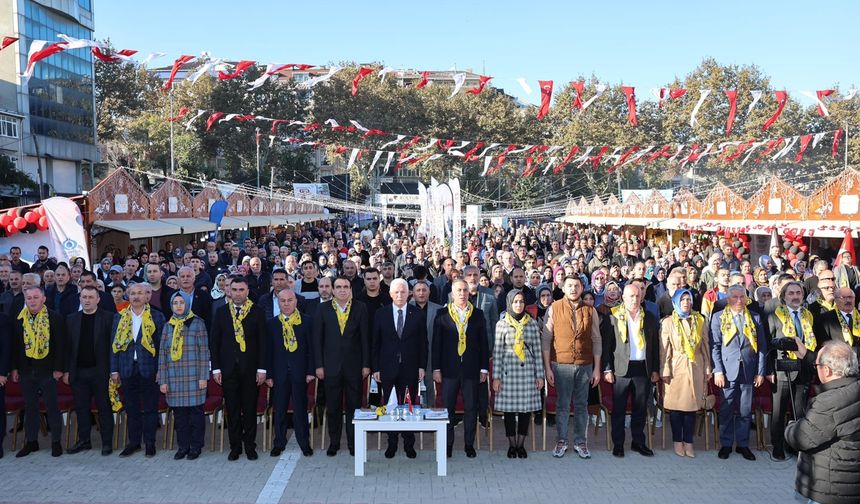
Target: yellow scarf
point(341, 317)
point(178, 340)
point(238, 329)
point(689, 339)
point(729, 329)
point(849, 335)
point(37, 333)
point(620, 314)
point(827, 305)
point(113, 393)
point(461, 327)
point(124, 334)
point(289, 333)
point(790, 331)
point(519, 342)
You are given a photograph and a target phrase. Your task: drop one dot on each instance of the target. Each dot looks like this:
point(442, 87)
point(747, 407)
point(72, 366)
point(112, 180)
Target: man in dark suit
point(291, 369)
point(198, 300)
point(461, 360)
point(63, 295)
point(483, 299)
point(342, 356)
point(839, 324)
point(268, 301)
point(5, 357)
point(399, 354)
point(38, 361)
point(88, 279)
point(631, 355)
point(421, 299)
point(739, 366)
point(239, 365)
point(136, 334)
point(88, 339)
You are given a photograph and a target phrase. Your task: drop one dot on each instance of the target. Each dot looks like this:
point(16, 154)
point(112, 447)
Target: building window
point(8, 126)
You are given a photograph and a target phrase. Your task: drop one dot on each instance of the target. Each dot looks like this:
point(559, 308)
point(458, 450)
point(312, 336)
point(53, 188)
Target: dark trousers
point(683, 425)
point(736, 429)
point(90, 384)
point(282, 393)
point(405, 378)
point(3, 415)
point(31, 384)
point(782, 404)
point(240, 401)
point(517, 423)
point(190, 427)
point(339, 389)
point(450, 389)
point(483, 401)
point(141, 407)
point(634, 383)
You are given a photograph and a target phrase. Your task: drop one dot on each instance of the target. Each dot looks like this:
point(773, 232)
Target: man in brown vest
point(571, 347)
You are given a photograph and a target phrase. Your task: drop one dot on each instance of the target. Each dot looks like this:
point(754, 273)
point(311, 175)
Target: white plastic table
point(387, 424)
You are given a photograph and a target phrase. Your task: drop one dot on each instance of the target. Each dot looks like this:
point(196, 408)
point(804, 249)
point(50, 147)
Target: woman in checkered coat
point(517, 371)
point(183, 373)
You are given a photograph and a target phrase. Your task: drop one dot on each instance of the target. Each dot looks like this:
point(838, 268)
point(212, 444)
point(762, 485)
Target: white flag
point(600, 89)
point(702, 97)
point(459, 80)
point(392, 401)
point(352, 157)
point(756, 94)
point(375, 159)
point(523, 84)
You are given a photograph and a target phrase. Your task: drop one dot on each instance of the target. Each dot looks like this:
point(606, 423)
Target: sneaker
point(582, 450)
point(559, 450)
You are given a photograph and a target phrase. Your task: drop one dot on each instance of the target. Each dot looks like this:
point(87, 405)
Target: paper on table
point(435, 414)
point(361, 414)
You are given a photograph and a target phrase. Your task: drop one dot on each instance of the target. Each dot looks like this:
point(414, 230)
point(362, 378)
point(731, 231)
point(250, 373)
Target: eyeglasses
point(827, 287)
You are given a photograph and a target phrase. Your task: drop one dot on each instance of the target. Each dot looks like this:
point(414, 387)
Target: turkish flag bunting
point(410, 143)
point(732, 95)
point(176, 66)
point(545, 97)
point(677, 93)
point(623, 159)
point(529, 164)
point(212, 118)
point(836, 137)
point(663, 152)
point(7, 41)
point(311, 127)
point(43, 53)
point(362, 73)
point(821, 93)
point(372, 132)
point(578, 86)
point(275, 124)
point(112, 58)
point(424, 77)
point(804, 144)
point(472, 151)
point(482, 81)
point(501, 159)
point(240, 69)
point(630, 93)
point(566, 159)
point(182, 112)
point(739, 151)
point(781, 99)
point(595, 160)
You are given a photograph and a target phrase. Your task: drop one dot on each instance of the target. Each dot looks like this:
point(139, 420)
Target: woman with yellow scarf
point(183, 373)
point(518, 374)
point(685, 366)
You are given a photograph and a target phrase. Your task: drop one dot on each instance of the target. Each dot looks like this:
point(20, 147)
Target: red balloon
point(20, 222)
point(40, 210)
point(11, 212)
point(42, 224)
point(31, 217)
point(5, 220)
point(11, 229)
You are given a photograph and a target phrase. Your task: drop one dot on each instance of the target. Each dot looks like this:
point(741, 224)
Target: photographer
point(790, 326)
point(827, 437)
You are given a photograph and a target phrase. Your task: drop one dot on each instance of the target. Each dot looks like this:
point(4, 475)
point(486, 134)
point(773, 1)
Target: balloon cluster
point(23, 220)
point(793, 246)
point(740, 245)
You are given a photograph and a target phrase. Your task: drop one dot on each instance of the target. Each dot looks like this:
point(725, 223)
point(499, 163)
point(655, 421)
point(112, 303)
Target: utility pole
point(39, 165)
point(172, 170)
point(257, 139)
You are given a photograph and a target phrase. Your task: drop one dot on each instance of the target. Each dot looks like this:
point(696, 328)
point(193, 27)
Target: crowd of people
point(516, 313)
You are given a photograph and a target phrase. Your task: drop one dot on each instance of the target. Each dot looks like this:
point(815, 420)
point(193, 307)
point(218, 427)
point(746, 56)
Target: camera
point(784, 344)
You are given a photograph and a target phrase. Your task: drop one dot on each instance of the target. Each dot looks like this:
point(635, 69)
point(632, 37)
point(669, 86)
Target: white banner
point(473, 216)
point(424, 203)
point(66, 227)
point(457, 217)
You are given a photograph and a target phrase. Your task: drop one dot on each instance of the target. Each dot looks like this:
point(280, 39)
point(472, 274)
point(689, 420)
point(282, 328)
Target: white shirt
point(276, 307)
point(394, 310)
point(462, 314)
point(341, 308)
point(636, 354)
point(136, 323)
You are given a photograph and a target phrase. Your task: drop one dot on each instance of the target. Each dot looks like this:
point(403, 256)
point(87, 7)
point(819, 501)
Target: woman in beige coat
point(685, 368)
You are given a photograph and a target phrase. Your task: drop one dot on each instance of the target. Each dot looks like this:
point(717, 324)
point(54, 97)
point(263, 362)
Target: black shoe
point(56, 449)
point(512, 452)
point(129, 450)
point(390, 452)
point(778, 454)
point(180, 454)
point(276, 452)
point(307, 452)
point(410, 452)
point(150, 451)
point(27, 449)
point(352, 451)
point(193, 454)
point(450, 451)
point(332, 450)
point(745, 452)
point(79, 447)
point(234, 454)
point(724, 452)
point(1, 448)
point(641, 450)
point(521, 452)
point(618, 451)
point(251, 454)
point(106, 450)
point(538, 418)
point(484, 422)
point(470, 452)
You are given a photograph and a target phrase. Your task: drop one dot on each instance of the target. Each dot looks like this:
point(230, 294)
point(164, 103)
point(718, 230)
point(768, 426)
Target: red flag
point(732, 95)
point(501, 159)
point(311, 127)
point(836, 137)
point(482, 81)
point(739, 151)
point(372, 132)
point(804, 144)
point(623, 159)
point(847, 246)
point(40, 52)
point(113, 58)
point(176, 66)
point(577, 100)
point(362, 73)
point(545, 97)
point(677, 93)
point(182, 112)
point(630, 93)
point(212, 118)
point(595, 160)
point(528, 171)
point(472, 152)
point(408, 399)
point(424, 76)
point(410, 143)
point(821, 93)
point(663, 152)
point(566, 159)
point(239, 70)
point(275, 124)
point(781, 99)
point(7, 41)
point(661, 95)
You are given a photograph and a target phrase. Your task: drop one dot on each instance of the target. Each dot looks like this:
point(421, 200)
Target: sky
point(646, 44)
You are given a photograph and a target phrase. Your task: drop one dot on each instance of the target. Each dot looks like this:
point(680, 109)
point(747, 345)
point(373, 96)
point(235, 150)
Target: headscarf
point(650, 271)
point(178, 323)
point(676, 302)
point(541, 309)
point(762, 261)
point(510, 301)
point(216, 291)
point(759, 291)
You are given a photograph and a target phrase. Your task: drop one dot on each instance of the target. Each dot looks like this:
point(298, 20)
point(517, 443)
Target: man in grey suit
point(739, 366)
point(483, 298)
point(421, 299)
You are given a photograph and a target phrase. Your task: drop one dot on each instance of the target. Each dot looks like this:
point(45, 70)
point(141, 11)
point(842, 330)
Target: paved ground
point(91, 478)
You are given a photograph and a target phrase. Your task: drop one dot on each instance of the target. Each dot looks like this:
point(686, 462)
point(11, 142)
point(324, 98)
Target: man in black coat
point(239, 365)
point(198, 300)
point(631, 355)
point(291, 368)
point(460, 362)
point(38, 371)
point(63, 295)
point(342, 359)
point(399, 354)
point(88, 340)
point(838, 324)
point(88, 279)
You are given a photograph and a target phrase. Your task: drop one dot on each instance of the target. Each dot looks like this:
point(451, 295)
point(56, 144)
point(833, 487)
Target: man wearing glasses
point(825, 294)
point(841, 324)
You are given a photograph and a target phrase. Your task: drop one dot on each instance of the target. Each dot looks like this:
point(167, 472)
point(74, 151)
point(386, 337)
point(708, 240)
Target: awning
point(140, 228)
point(609, 221)
point(190, 225)
point(234, 223)
point(310, 217)
point(258, 220)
